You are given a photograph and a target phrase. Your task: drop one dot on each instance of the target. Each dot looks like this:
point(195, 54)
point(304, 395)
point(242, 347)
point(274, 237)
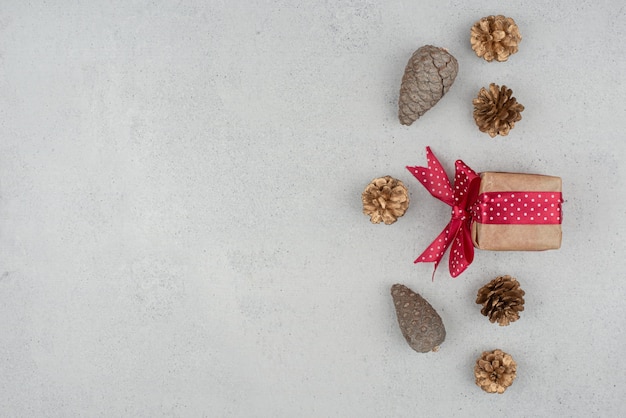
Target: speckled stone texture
point(181, 233)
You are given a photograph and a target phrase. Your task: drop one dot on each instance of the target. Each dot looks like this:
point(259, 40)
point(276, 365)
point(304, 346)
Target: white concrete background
point(180, 218)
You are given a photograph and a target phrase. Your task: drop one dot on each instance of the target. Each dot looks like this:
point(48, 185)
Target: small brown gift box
point(517, 236)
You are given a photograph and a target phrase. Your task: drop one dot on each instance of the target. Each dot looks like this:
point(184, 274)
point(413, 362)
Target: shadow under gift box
point(531, 202)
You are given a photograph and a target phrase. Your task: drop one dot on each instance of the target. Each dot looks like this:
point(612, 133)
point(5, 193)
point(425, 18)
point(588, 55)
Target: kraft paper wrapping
point(517, 237)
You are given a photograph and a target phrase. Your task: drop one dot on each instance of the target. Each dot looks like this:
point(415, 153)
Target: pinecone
point(428, 76)
point(502, 300)
point(386, 199)
point(495, 371)
point(495, 111)
point(420, 324)
point(495, 37)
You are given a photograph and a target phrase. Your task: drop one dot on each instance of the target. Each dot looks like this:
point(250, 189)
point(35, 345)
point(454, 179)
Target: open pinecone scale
point(496, 110)
point(502, 300)
point(495, 371)
point(495, 37)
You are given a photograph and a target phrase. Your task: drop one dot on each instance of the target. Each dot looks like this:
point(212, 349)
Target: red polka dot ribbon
point(522, 208)
point(461, 197)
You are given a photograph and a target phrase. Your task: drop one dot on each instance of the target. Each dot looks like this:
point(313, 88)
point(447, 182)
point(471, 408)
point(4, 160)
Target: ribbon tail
point(462, 254)
point(435, 251)
point(434, 178)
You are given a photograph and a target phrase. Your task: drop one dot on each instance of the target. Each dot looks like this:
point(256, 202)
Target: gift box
point(527, 208)
point(491, 211)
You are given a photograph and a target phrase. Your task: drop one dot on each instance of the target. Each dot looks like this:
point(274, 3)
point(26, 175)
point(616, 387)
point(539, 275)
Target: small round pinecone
point(495, 37)
point(495, 111)
point(428, 76)
point(495, 371)
point(502, 300)
point(420, 324)
point(385, 199)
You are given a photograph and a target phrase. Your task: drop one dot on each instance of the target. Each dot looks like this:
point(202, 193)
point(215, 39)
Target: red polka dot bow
point(461, 197)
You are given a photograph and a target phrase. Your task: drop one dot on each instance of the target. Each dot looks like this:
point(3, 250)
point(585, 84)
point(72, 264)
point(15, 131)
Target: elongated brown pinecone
point(495, 371)
point(502, 300)
point(420, 324)
point(428, 76)
point(496, 111)
point(385, 199)
point(495, 37)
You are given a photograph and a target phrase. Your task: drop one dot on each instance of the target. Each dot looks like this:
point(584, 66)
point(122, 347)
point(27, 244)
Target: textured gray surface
point(180, 219)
